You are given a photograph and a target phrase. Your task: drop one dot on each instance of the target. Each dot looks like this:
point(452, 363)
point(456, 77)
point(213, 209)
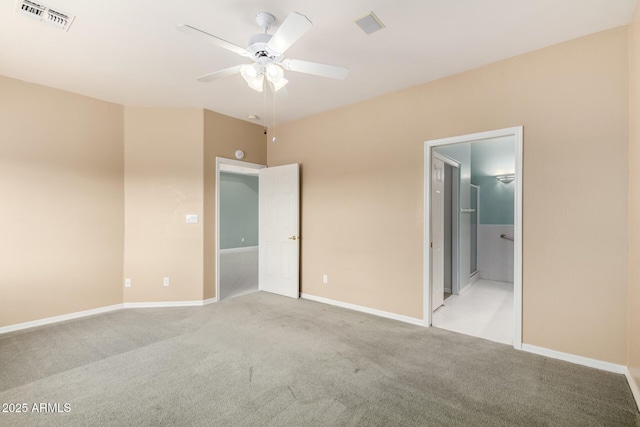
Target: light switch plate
point(191, 219)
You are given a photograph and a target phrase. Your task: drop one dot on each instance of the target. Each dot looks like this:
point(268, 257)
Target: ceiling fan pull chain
point(274, 117)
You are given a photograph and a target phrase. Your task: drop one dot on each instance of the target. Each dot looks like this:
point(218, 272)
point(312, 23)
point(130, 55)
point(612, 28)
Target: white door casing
point(437, 232)
point(517, 134)
point(221, 165)
point(279, 230)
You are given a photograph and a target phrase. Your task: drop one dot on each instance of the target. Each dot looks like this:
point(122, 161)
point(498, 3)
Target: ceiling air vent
point(46, 14)
point(370, 23)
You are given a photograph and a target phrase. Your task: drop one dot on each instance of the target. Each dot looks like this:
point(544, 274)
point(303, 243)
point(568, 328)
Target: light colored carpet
point(261, 359)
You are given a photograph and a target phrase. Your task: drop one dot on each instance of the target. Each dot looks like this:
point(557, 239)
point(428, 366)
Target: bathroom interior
point(479, 206)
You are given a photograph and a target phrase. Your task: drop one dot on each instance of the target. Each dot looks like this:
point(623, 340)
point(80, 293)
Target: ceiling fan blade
point(220, 74)
point(322, 70)
point(210, 38)
point(293, 27)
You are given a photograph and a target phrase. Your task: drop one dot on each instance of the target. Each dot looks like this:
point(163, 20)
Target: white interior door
point(437, 233)
point(279, 230)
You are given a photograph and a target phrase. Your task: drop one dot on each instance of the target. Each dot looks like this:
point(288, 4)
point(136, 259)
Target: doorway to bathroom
point(473, 227)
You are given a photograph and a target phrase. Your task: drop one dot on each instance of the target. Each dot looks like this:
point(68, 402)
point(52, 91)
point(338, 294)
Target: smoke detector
point(43, 13)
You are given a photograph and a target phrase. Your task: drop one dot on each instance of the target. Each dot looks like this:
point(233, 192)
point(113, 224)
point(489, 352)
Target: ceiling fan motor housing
point(260, 51)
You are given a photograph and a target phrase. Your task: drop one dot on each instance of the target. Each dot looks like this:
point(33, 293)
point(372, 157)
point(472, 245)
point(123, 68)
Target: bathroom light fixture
point(506, 178)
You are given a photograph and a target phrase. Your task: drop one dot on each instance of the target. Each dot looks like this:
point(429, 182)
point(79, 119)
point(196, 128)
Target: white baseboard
point(164, 304)
point(578, 360)
point(61, 318)
point(474, 277)
point(368, 310)
point(85, 313)
point(635, 389)
point(242, 249)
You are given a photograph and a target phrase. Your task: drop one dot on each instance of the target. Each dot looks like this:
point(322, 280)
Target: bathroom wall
point(488, 159)
point(238, 210)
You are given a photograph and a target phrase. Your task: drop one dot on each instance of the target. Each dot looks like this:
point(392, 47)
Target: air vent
point(370, 23)
point(31, 9)
point(46, 14)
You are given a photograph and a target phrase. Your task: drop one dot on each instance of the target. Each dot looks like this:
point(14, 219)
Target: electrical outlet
point(243, 240)
point(165, 281)
point(127, 283)
point(325, 279)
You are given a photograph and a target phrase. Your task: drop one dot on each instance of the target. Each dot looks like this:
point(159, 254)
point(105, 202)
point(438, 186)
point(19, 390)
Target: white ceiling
point(128, 52)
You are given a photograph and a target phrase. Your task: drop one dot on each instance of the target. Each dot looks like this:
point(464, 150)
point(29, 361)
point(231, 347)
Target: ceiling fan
point(267, 52)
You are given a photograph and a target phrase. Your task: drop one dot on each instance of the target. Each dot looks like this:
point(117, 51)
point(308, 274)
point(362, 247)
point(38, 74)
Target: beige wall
point(224, 135)
point(634, 197)
point(61, 221)
point(163, 183)
point(362, 189)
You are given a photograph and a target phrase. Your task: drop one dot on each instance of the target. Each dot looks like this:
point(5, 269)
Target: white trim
point(474, 278)
point(517, 242)
point(162, 304)
point(239, 163)
point(635, 389)
point(61, 318)
point(517, 133)
point(572, 358)
point(363, 309)
point(448, 160)
point(101, 310)
point(243, 249)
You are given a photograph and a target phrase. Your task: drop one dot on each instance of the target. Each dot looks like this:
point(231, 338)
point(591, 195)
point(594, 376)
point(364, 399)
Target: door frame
point(232, 162)
point(455, 231)
point(517, 134)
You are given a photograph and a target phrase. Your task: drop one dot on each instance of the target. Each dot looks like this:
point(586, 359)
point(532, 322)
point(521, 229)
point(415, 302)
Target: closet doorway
point(237, 187)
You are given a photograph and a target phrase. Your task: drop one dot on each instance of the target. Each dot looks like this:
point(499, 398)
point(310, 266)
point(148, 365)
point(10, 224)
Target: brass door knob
point(292, 238)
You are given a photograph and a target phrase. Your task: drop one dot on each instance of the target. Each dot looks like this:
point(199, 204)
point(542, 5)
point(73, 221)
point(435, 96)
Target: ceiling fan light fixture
point(279, 84)
point(274, 73)
point(251, 74)
point(257, 83)
point(275, 76)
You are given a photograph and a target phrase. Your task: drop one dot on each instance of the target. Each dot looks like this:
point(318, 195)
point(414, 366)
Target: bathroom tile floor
point(238, 273)
point(483, 310)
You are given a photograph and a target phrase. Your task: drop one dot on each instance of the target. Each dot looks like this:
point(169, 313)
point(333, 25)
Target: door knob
point(292, 238)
